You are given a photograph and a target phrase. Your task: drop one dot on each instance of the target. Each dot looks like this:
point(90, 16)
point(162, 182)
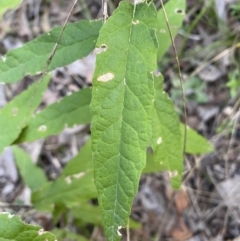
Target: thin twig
point(104, 13)
point(45, 71)
point(158, 236)
point(128, 231)
point(59, 37)
point(179, 74)
point(216, 58)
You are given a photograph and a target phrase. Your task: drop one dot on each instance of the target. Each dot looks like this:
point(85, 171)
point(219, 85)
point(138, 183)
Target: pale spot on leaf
point(157, 73)
point(4, 58)
point(42, 128)
point(173, 174)
point(135, 2)
point(68, 180)
point(105, 77)
point(40, 232)
point(162, 31)
point(159, 140)
point(10, 215)
point(74, 176)
point(135, 22)
point(15, 111)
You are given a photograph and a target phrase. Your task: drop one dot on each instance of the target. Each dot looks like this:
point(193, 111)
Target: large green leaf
point(166, 138)
point(16, 114)
point(175, 10)
point(71, 110)
point(8, 4)
point(122, 105)
point(77, 41)
point(13, 229)
point(32, 175)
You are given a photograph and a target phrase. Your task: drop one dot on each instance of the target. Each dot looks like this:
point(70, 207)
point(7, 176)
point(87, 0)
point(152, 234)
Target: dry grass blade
point(159, 233)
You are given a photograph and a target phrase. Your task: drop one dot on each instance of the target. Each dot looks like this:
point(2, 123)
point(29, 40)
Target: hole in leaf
point(179, 11)
point(101, 49)
point(42, 128)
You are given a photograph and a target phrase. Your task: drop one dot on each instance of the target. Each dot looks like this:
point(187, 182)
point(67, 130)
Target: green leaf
point(175, 10)
point(65, 234)
point(8, 4)
point(13, 229)
point(195, 143)
point(71, 110)
point(73, 186)
point(87, 213)
point(122, 106)
point(16, 114)
point(32, 175)
point(67, 191)
point(81, 162)
point(152, 166)
point(166, 138)
point(77, 41)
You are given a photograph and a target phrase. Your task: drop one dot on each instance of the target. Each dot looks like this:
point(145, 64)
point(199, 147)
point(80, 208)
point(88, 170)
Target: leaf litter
point(199, 211)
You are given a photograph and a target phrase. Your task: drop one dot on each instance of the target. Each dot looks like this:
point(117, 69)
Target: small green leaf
point(71, 110)
point(122, 106)
point(166, 139)
point(16, 114)
point(87, 213)
point(8, 4)
point(195, 143)
point(13, 229)
point(74, 185)
point(175, 10)
point(152, 166)
point(77, 41)
point(65, 234)
point(32, 175)
point(81, 162)
point(67, 191)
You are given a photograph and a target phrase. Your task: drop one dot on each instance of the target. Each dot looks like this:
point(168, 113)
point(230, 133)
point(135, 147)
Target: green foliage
point(13, 229)
point(234, 82)
point(15, 115)
point(122, 102)
point(73, 186)
point(63, 234)
point(33, 56)
point(129, 112)
point(195, 143)
point(71, 110)
point(193, 88)
point(32, 175)
point(175, 12)
point(8, 4)
point(166, 139)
